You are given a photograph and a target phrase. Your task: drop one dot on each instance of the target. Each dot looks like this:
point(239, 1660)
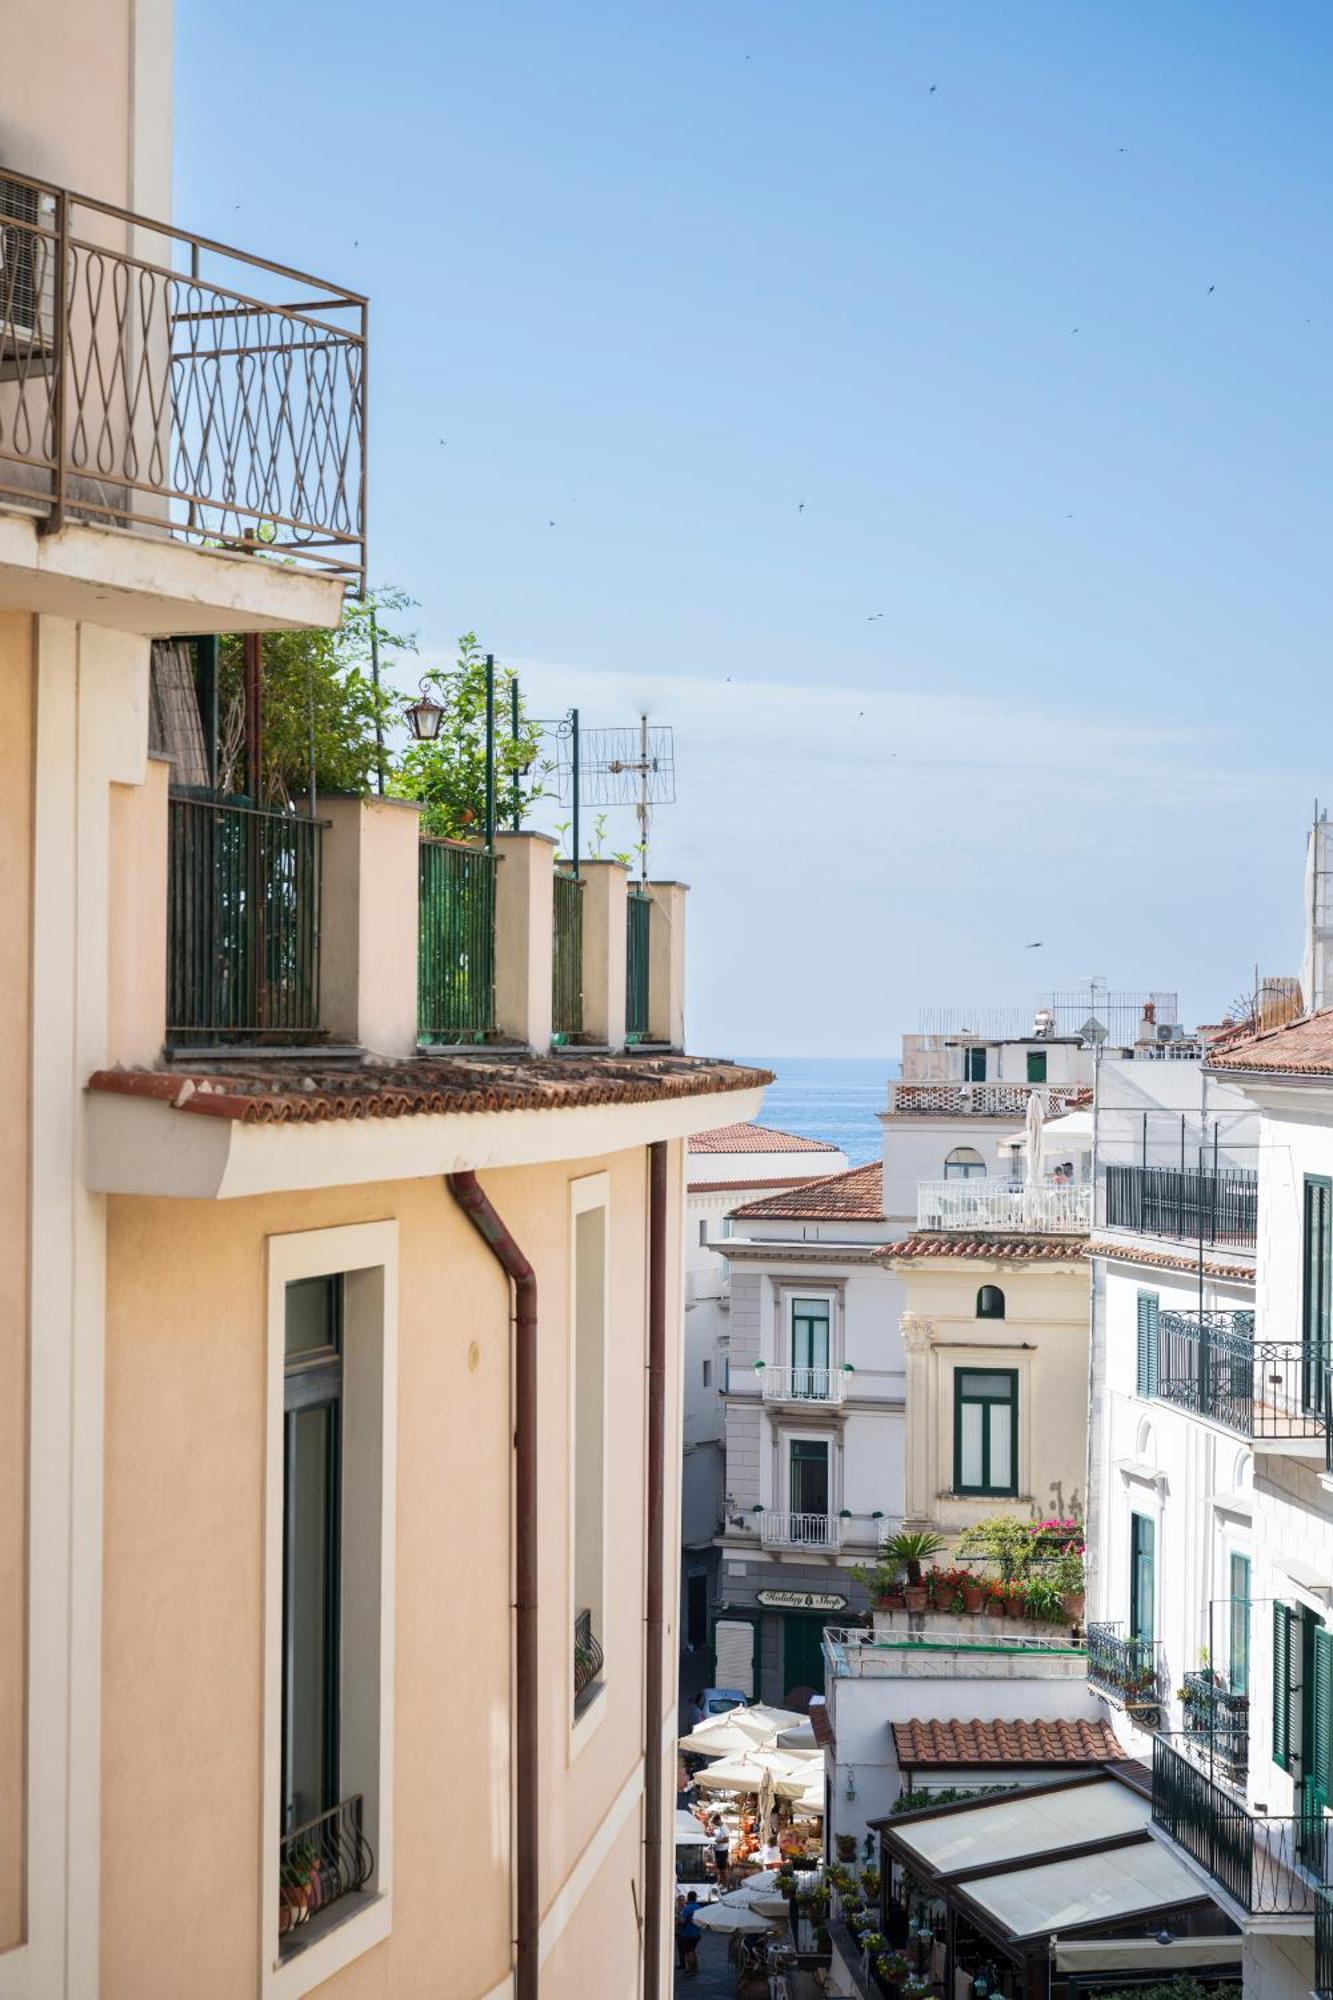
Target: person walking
point(688, 1935)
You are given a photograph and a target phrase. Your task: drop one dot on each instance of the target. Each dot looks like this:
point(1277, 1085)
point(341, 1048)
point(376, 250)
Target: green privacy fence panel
point(567, 958)
point(243, 888)
point(455, 942)
point(639, 916)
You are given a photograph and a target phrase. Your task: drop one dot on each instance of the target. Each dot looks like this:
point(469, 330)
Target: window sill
point(352, 1926)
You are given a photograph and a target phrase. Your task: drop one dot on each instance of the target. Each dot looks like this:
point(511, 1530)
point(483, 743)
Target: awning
point(1038, 1822)
point(1145, 1954)
point(1091, 1889)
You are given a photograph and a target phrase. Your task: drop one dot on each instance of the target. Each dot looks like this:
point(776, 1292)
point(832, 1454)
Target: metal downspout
point(466, 1191)
point(654, 1595)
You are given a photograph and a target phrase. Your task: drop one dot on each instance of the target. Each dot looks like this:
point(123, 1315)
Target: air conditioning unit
point(1170, 1031)
point(27, 280)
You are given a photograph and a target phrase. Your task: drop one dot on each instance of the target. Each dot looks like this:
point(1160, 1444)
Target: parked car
point(716, 1701)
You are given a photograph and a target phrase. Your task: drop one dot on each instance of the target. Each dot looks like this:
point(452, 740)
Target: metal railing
point(567, 957)
point(1269, 1865)
point(1210, 1364)
point(1323, 1944)
point(456, 942)
point(156, 380)
point(1130, 1670)
point(588, 1661)
point(1184, 1204)
point(326, 1858)
point(1221, 1722)
point(979, 1100)
point(243, 896)
point(638, 926)
point(855, 1652)
point(1048, 1207)
point(799, 1531)
point(803, 1385)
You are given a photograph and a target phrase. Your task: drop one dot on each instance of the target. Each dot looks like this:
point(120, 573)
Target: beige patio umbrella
point(718, 1738)
point(731, 1917)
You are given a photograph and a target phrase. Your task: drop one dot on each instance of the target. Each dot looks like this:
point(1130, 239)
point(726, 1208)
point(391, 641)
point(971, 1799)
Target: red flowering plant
point(946, 1588)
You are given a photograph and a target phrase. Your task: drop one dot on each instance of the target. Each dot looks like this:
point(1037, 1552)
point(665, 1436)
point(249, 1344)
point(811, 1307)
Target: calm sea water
point(827, 1097)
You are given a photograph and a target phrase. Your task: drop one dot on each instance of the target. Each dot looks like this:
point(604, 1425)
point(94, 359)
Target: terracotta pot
point(995, 1607)
point(916, 1597)
point(974, 1597)
point(1073, 1601)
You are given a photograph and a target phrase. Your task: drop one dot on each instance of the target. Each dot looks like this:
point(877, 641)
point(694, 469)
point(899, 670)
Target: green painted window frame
point(822, 1316)
point(1238, 1617)
point(986, 1489)
point(987, 1310)
point(1284, 1617)
point(974, 1065)
point(313, 1385)
point(1142, 1576)
point(1145, 1353)
point(1036, 1065)
point(1316, 1276)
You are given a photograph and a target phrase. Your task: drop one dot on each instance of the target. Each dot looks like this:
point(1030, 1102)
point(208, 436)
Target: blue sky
point(781, 338)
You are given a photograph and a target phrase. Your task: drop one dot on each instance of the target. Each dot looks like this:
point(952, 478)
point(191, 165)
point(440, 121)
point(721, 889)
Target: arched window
point(964, 1163)
point(990, 1302)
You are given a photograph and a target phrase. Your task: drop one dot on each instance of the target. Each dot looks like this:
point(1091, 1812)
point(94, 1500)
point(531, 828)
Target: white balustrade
point(977, 1100)
point(799, 1531)
point(803, 1385)
point(1048, 1208)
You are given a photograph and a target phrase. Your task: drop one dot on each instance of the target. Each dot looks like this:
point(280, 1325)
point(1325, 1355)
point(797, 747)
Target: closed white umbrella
point(1033, 1159)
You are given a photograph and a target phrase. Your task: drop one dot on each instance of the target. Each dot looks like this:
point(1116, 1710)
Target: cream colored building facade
point(173, 1231)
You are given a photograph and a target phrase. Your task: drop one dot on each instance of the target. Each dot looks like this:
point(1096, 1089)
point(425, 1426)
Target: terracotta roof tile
point(1039, 1742)
point(1169, 1260)
point(303, 1092)
point(1004, 1249)
point(751, 1181)
point(854, 1196)
point(756, 1139)
point(1302, 1048)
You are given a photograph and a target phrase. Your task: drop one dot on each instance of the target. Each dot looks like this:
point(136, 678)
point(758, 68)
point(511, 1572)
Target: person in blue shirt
point(688, 1935)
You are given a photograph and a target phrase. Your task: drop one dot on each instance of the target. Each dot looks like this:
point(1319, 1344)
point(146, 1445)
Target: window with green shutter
point(1283, 1620)
point(1238, 1665)
point(1319, 1764)
point(1142, 1578)
point(1145, 1371)
point(1036, 1065)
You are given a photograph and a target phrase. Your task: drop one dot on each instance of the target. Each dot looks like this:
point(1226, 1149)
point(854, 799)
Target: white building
point(737, 1163)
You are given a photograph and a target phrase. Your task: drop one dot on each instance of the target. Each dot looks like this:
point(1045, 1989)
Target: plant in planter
point(873, 1942)
point(870, 1881)
point(908, 1550)
point(846, 1847)
point(1043, 1600)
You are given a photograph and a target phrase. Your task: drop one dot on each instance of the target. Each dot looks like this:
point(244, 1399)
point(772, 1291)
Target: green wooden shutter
point(1319, 1764)
point(1145, 1377)
point(1281, 1687)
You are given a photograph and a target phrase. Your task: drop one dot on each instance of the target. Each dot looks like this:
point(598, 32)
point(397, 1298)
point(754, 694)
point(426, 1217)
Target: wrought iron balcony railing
point(319, 1862)
point(638, 921)
point(243, 897)
point(1220, 1720)
point(803, 1385)
point(155, 380)
point(799, 1531)
point(1180, 1202)
point(588, 1661)
point(1130, 1670)
point(1323, 1944)
point(1047, 1207)
point(1210, 1364)
point(456, 942)
point(1269, 1865)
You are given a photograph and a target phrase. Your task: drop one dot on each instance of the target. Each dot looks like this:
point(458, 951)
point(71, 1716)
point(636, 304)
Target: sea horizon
point(834, 1098)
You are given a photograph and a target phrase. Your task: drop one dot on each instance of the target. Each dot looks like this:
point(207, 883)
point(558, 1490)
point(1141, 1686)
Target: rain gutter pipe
point(467, 1192)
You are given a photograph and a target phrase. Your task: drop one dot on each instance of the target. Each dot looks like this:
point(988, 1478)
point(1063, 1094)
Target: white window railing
point(803, 1385)
point(1049, 1208)
point(799, 1531)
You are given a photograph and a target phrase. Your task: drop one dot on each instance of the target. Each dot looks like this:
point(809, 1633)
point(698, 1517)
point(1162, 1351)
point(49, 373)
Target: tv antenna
point(630, 766)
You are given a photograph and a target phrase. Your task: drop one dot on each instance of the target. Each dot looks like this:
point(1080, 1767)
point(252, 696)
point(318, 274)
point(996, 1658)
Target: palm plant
point(912, 1547)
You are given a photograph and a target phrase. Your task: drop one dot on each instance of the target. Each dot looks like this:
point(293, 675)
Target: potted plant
point(893, 1969)
point(974, 1593)
point(846, 1843)
point(910, 1548)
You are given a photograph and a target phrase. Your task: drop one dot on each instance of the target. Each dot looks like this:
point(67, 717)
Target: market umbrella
point(718, 1738)
point(800, 1736)
point(762, 1883)
point(733, 1774)
point(729, 1917)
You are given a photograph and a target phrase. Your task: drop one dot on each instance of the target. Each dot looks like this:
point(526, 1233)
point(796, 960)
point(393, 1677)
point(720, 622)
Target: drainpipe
point(654, 1609)
point(466, 1191)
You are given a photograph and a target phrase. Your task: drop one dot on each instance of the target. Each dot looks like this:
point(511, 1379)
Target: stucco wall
point(85, 98)
point(16, 798)
point(183, 1590)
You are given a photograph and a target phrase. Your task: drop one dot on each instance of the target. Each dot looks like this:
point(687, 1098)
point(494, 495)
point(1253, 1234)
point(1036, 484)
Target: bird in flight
point(800, 506)
point(933, 88)
point(1212, 288)
point(871, 616)
point(1034, 947)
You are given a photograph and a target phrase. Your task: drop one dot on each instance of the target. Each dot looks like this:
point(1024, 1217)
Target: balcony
point(976, 1100)
point(1047, 1209)
point(1130, 1671)
point(803, 1385)
point(821, 1532)
point(1270, 1866)
point(1266, 1390)
point(156, 381)
point(319, 1863)
point(1219, 1721)
point(1221, 1209)
point(588, 1662)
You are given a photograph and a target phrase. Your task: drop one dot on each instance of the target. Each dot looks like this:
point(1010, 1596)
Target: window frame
point(365, 1255)
point(313, 1380)
point(1037, 1066)
point(975, 1063)
point(973, 1168)
point(985, 1490)
point(1147, 1316)
point(1142, 1557)
point(983, 1313)
point(1237, 1624)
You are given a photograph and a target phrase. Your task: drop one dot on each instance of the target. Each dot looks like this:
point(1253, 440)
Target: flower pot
point(1073, 1601)
point(916, 1597)
point(889, 1601)
point(974, 1597)
point(995, 1607)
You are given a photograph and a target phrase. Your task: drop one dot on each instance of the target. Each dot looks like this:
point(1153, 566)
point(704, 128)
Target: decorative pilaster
point(918, 1339)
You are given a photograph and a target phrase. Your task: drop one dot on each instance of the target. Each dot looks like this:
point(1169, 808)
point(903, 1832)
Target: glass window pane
point(309, 1600)
point(987, 1383)
point(970, 1461)
point(312, 1315)
point(1001, 1455)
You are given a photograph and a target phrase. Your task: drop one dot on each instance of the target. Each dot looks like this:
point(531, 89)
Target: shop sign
point(802, 1600)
